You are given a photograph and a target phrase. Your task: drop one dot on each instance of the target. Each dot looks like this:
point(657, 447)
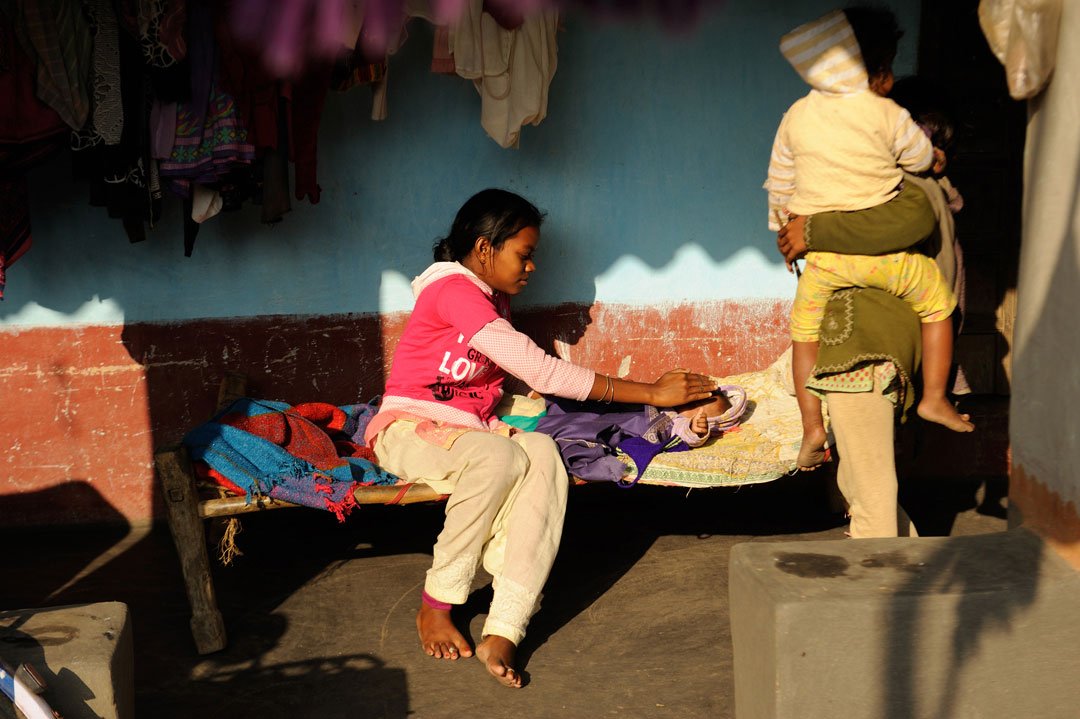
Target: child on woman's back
point(845, 146)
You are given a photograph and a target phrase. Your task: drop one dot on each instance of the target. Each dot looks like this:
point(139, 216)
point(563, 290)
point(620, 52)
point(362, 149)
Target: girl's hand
point(940, 161)
point(679, 387)
point(699, 425)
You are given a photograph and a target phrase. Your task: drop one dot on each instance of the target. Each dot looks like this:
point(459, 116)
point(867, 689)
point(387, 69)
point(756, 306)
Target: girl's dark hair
point(929, 105)
point(495, 214)
point(878, 34)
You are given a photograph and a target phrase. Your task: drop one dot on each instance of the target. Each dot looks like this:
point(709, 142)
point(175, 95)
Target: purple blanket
point(589, 434)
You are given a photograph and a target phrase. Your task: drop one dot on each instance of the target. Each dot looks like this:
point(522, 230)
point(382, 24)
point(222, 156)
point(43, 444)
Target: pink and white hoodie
point(458, 344)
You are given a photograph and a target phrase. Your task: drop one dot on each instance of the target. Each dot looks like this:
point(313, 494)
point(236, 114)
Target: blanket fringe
point(227, 548)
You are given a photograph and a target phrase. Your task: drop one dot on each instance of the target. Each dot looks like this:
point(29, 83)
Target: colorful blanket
point(307, 454)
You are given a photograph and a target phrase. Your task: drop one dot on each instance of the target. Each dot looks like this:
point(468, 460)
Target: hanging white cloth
point(512, 69)
point(1023, 34)
point(205, 203)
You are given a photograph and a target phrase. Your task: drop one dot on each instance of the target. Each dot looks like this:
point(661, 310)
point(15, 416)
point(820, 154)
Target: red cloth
point(203, 471)
point(312, 431)
point(294, 432)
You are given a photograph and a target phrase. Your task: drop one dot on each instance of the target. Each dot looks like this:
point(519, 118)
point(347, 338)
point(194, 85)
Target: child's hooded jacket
point(841, 147)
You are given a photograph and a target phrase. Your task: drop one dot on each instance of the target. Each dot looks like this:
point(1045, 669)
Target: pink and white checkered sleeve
point(523, 358)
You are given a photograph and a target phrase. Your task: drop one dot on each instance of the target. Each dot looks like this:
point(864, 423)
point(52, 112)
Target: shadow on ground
point(320, 614)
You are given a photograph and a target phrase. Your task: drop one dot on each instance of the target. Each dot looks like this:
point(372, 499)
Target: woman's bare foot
point(941, 411)
point(812, 453)
point(439, 637)
point(497, 653)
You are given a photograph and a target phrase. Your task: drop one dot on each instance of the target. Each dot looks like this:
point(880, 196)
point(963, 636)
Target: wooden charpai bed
point(761, 449)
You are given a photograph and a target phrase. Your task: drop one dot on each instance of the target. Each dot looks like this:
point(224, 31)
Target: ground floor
point(320, 615)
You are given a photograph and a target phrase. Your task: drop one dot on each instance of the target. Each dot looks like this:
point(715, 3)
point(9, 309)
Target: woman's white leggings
point(506, 507)
point(863, 424)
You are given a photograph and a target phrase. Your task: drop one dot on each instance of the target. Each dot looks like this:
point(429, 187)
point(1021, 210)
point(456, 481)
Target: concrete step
point(942, 627)
point(82, 651)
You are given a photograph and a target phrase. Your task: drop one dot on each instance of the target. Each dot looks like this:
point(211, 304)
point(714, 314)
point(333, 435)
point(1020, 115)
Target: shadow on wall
point(78, 499)
point(618, 186)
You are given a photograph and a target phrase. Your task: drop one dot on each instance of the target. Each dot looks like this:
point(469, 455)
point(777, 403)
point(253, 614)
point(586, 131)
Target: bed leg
point(182, 507)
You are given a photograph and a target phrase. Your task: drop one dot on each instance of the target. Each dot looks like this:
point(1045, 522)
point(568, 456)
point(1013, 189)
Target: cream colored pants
point(506, 507)
point(863, 424)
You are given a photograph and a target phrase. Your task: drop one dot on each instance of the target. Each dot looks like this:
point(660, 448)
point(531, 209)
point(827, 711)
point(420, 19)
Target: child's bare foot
point(497, 653)
point(941, 411)
point(438, 636)
point(812, 452)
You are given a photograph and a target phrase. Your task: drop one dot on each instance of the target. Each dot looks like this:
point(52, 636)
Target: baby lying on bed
point(590, 435)
point(695, 422)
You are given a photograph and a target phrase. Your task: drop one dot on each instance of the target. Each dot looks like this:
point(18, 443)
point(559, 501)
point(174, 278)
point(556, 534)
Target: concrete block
point(975, 627)
point(84, 652)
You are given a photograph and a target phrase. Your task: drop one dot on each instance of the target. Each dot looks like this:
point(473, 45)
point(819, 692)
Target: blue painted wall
point(649, 165)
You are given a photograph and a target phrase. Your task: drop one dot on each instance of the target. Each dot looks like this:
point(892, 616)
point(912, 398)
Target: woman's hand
point(679, 387)
point(791, 241)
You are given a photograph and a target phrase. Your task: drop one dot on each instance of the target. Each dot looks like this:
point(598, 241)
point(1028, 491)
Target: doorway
point(987, 168)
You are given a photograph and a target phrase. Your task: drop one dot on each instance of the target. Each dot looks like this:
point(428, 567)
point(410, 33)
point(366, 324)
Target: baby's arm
point(684, 429)
point(893, 226)
point(699, 425)
point(911, 146)
point(781, 181)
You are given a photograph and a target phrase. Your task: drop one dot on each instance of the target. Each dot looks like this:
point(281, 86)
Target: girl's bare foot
point(941, 411)
point(812, 453)
point(497, 653)
point(438, 636)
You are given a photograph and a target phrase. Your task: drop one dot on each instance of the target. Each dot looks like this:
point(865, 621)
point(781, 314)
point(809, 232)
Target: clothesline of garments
point(172, 97)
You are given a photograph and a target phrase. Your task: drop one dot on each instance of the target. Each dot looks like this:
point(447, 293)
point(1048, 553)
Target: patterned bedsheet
point(761, 449)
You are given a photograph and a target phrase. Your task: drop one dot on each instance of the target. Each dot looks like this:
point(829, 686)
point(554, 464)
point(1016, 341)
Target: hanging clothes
point(111, 150)
point(30, 132)
point(279, 114)
point(511, 68)
point(57, 35)
point(442, 60)
point(209, 142)
point(161, 31)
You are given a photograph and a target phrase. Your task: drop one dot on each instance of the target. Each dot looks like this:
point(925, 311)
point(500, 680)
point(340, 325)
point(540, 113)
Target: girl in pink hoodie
point(507, 489)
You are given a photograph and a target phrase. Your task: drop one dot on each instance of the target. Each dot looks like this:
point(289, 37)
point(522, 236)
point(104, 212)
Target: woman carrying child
point(865, 367)
point(845, 146)
point(507, 489)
